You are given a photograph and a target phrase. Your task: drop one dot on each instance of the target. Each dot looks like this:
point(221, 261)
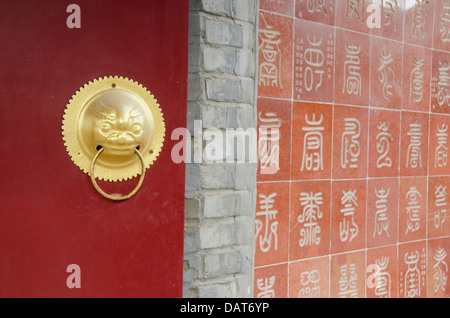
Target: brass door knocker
point(115, 128)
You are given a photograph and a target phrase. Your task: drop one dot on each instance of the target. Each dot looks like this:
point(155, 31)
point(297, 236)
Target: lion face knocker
point(108, 125)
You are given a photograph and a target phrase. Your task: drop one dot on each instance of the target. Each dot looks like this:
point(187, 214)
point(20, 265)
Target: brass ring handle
point(112, 197)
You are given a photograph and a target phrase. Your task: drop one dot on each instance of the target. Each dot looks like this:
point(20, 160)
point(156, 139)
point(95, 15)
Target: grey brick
point(245, 63)
point(248, 90)
point(220, 264)
point(218, 234)
point(219, 59)
point(223, 33)
point(218, 290)
point(214, 117)
point(195, 89)
point(247, 175)
point(193, 177)
point(224, 89)
point(220, 204)
point(218, 7)
point(245, 10)
point(248, 34)
point(217, 176)
point(192, 208)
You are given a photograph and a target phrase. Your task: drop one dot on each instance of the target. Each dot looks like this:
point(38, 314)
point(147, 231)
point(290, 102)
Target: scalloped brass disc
point(118, 115)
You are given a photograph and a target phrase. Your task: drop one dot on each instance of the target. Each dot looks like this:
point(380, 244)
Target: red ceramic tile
point(414, 144)
point(391, 21)
point(316, 10)
point(441, 36)
point(311, 141)
point(438, 151)
point(412, 208)
point(314, 61)
point(352, 15)
point(416, 78)
point(440, 82)
point(275, 55)
point(438, 207)
point(419, 22)
point(386, 73)
point(438, 268)
point(285, 7)
point(412, 270)
point(382, 212)
point(348, 275)
point(352, 69)
point(350, 130)
point(384, 143)
point(271, 281)
point(272, 223)
point(309, 233)
point(382, 272)
point(274, 139)
point(348, 216)
point(310, 278)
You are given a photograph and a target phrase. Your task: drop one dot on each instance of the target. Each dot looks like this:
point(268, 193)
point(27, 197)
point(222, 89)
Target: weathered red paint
point(50, 214)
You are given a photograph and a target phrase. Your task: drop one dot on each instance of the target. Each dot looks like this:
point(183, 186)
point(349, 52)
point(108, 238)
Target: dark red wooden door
point(50, 214)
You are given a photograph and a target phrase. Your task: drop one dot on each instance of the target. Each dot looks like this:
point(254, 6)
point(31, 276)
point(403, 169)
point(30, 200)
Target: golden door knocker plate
point(114, 126)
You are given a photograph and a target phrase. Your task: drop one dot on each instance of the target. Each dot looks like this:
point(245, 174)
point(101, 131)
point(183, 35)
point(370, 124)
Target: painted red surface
point(50, 214)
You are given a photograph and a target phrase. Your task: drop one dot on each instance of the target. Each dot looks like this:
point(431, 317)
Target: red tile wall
point(353, 127)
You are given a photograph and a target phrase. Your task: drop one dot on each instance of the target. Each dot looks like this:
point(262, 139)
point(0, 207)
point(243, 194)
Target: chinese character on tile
point(386, 74)
point(440, 202)
point(412, 275)
point(441, 153)
point(309, 233)
point(348, 286)
point(269, 143)
point(313, 144)
point(381, 217)
point(389, 9)
point(348, 229)
point(270, 68)
point(310, 284)
point(417, 80)
point(419, 19)
point(316, 6)
point(445, 21)
point(266, 287)
point(413, 210)
point(384, 139)
point(350, 149)
point(315, 60)
point(352, 70)
point(266, 229)
point(440, 270)
point(414, 155)
point(443, 96)
point(356, 9)
point(383, 286)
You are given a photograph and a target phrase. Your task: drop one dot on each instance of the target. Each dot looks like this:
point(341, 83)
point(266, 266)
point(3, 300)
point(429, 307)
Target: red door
point(50, 214)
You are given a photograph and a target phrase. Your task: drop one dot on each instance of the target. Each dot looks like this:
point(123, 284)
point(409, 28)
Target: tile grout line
point(291, 101)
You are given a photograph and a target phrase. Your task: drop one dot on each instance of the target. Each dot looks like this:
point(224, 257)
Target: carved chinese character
point(269, 143)
point(352, 68)
point(270, 68)
point(266, 228)
point(313, 144)
point(350, 145)
point(384, 139)
point(309, 233)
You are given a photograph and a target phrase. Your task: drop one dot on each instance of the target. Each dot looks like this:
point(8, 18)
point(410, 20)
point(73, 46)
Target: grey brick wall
point(220, 197)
